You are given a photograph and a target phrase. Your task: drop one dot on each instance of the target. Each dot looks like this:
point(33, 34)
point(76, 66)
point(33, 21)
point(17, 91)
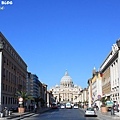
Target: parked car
point(90, 112)
point(58, 105)
point(62, 106)
point(54, 106)
point(14, 109)
point(75, 107)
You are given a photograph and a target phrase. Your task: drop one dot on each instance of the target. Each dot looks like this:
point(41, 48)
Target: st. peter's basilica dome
point(66, 80)
point(66, 91)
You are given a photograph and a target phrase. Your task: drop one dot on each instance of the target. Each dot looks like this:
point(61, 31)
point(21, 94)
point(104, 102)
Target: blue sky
point(54, 35)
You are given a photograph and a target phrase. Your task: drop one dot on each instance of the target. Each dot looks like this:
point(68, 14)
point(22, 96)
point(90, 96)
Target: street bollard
point(9, 112)
point(1, 115)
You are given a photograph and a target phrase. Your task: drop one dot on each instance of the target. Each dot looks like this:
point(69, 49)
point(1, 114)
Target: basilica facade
point(66, 91)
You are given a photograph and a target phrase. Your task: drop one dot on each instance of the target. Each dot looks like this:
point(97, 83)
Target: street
point(62, 114)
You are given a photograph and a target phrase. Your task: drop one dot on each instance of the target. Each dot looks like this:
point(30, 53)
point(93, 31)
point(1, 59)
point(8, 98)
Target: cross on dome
point(66, 73)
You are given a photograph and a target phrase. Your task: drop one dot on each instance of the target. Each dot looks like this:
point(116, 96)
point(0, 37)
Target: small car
point(75, 107)
point(68, 105)
point(62, 106)
point(54, 106)
point(14, 109)
point(90, 112)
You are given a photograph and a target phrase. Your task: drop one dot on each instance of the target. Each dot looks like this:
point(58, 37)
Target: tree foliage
point(103, 100)
point(24, 95)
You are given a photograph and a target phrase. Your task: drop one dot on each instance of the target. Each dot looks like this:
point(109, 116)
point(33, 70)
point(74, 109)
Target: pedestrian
point(112, 109)
point(117, 106)
point(35, 108)
point(29, 108)
point(97, 108)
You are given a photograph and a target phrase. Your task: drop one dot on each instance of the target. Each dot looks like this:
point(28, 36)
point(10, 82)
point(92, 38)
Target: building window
point(3, 100)
point(9, 100)
point(6, 87)
point(7, 61)
point(3, 72)
point(6, 74)
point(11, 89)
point(4, 60)
point(6, 100)
point(3, 87)
point(75, 97)
point(9, 77)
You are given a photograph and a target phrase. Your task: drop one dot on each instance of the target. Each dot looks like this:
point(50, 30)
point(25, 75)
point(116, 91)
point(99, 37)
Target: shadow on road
point(52, 110)
point(90, 115)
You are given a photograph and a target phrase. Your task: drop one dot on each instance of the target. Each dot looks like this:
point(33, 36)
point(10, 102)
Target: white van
point(68, 105)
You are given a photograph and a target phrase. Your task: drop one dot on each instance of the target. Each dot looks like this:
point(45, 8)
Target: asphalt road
point(62, 114)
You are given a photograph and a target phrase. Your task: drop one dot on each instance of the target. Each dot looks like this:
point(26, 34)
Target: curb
point(22, 116)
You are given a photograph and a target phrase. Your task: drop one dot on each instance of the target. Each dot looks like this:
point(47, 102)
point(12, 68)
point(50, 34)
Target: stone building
point(37, 90)
point(96, 88)
point(110, 70)
point(13, 71)
point(67, 91)
point(50, 98)
point(90, 92)
point(44, 94)
point(84, 96)
point(33, 85)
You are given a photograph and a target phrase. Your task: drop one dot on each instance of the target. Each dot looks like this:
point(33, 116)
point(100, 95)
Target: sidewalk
point(108, 116)
point(117, 113)
point(18, 116)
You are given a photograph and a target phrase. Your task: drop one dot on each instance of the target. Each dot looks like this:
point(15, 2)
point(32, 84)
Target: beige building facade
point(84, 96)
point(110, 70)
point(95, 89)
point(90, 92)
point(66, 91)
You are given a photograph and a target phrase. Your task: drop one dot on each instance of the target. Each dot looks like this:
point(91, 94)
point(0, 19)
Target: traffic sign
point(20, 102)
point(99, 96)
point(20, 99)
